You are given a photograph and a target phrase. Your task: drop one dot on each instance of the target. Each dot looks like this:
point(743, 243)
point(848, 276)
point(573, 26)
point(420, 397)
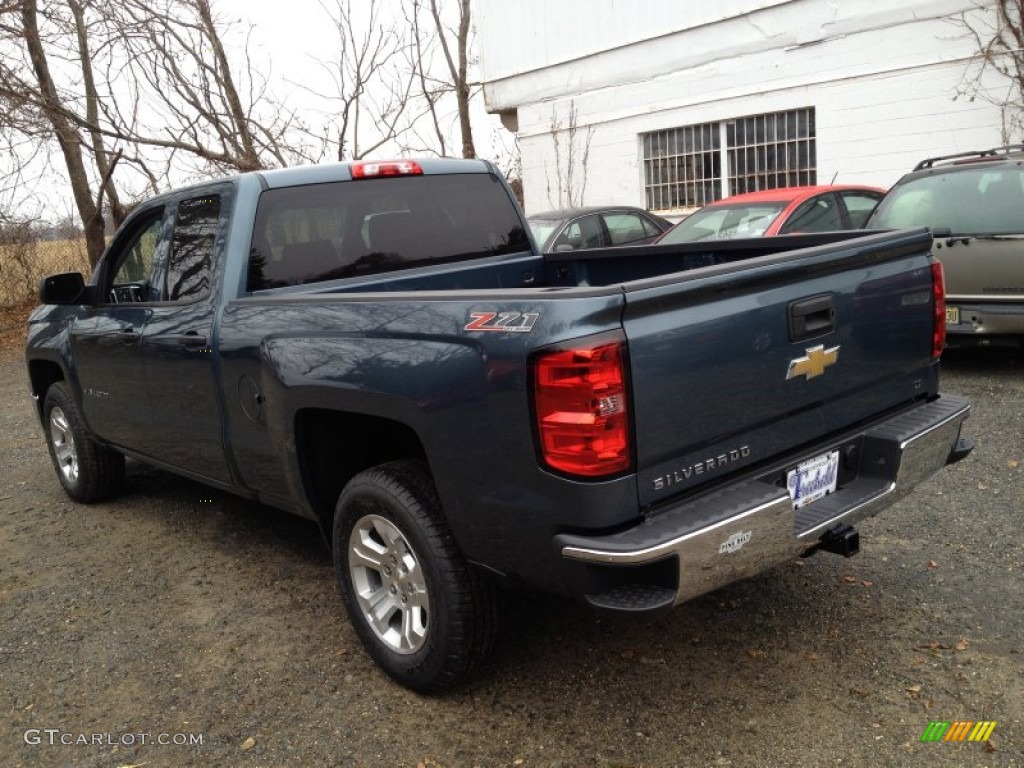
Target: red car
point(785, 211)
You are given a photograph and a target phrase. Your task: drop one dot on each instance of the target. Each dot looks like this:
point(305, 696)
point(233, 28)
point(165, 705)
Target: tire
point(421, 611)
point(88, 471)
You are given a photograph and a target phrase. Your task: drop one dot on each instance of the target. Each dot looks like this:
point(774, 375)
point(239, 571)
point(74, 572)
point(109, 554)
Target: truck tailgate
point(740, 364)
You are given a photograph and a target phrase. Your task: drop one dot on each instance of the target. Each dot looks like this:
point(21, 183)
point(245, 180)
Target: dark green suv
point(975, 203)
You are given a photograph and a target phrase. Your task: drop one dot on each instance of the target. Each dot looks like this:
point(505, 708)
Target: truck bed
point(597, 267)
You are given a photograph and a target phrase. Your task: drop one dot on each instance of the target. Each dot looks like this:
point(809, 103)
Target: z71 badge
point(502, 322)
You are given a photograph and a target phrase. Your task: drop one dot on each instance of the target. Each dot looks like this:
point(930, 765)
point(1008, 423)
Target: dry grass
point(12, 328)
point(23, 264)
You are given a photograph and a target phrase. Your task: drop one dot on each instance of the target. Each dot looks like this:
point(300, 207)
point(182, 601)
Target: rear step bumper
point(748, 527)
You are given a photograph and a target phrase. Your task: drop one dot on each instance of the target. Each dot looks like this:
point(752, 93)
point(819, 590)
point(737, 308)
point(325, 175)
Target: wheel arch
point(42, 375)
point(332, 447)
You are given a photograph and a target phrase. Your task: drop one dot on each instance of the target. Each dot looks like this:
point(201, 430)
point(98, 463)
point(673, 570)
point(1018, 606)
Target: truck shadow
point(797, 627)
point(227, 521)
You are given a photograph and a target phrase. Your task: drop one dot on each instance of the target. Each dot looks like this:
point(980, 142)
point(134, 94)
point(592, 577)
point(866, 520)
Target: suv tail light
point(939, 304)
point(582, 409)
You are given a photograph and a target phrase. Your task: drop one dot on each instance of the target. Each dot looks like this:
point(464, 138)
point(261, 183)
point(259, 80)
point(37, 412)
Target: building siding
point(882, 80)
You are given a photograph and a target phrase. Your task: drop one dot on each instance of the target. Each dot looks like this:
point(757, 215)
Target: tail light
point(582, 410)
point(939, 308)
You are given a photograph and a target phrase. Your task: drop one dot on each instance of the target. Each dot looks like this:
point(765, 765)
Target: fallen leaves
point(913, 691)
point(855, 580)
point(248, 744)
point(756, 653)
point(933, 645)
point(932, 565)
point(1012, 463)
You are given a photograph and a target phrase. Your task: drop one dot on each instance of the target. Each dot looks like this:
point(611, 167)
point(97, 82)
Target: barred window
point(683, 167)
point(770, 151)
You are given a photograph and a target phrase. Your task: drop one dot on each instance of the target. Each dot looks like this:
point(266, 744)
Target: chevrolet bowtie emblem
point(814, 364)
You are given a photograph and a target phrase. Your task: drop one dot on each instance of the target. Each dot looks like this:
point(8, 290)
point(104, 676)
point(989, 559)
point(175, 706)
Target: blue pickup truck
point(380, 347)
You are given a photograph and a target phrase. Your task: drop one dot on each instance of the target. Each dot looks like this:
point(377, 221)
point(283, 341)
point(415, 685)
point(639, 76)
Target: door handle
point(129, 335)
point(813, 316)
point(192, 339)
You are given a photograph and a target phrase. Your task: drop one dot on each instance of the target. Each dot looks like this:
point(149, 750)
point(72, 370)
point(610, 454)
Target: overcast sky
point(295, 41)
point(289, 39)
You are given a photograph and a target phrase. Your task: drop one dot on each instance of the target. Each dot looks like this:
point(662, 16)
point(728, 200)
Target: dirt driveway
point(178, 626)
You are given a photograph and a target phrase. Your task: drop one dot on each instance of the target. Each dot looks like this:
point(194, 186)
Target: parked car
point(573, 229)
point(974, 202)
point(784, 211)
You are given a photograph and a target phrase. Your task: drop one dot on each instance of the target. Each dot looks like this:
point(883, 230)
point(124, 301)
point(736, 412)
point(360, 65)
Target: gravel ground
point(176, 614)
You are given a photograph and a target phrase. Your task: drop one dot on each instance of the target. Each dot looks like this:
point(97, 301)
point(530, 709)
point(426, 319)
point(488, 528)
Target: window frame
point(213, 253)
point(828, 198)
point(742, 155)
point(120, 250)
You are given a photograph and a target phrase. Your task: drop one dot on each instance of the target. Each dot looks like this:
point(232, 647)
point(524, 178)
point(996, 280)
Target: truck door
point(106, 338)
point(186, 421)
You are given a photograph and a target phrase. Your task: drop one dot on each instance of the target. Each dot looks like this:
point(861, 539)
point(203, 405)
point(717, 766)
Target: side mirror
point(564, 248)
point(64, 288)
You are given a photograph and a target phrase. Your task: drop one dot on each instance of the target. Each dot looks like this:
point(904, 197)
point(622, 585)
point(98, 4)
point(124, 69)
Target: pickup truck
point(380, 347)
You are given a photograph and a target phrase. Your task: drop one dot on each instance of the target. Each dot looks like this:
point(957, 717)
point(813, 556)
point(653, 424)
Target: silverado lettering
point(700, 467)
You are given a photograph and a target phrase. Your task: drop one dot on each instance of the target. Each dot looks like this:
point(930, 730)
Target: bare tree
point(152, 78)
point(172, 53)
point(999, 36)
point(572, 150)
point(457, 67)
point(371, 93)
point(105, 161)
point(45, 98)
point(436, 81)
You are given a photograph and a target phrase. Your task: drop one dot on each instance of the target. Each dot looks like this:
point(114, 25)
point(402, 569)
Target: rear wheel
point(87, 470)
point(423, 613)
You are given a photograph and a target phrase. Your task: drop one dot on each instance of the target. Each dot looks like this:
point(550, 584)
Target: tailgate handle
point(810, 317)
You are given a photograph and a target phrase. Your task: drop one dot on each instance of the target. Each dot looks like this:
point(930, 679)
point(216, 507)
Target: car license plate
point(953, 315)
point(813, 479)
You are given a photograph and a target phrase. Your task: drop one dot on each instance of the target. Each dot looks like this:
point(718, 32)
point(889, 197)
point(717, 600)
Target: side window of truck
point(190, 265)
point(154, 265)
point(132, 278)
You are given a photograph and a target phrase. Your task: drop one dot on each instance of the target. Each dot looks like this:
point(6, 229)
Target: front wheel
point(88, 470)
point(423, 613)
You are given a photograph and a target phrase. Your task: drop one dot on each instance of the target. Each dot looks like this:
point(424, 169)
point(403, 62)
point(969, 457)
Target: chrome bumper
point(750, 526)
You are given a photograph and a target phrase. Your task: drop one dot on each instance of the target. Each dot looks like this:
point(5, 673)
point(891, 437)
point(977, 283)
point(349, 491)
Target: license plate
point(953, 315)
point(813, 479)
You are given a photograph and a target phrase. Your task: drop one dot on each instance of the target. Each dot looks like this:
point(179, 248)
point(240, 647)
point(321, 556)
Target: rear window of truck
point(321, 232)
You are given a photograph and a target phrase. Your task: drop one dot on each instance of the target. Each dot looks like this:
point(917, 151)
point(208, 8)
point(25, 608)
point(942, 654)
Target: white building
point(667, 104)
